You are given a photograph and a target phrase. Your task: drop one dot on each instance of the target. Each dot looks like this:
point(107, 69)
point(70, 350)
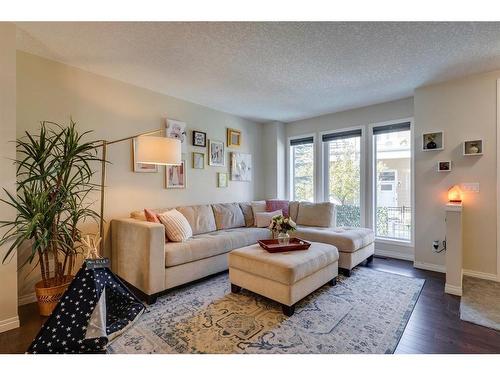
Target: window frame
point(289, 161)
point(325, 156)
point(373, 182)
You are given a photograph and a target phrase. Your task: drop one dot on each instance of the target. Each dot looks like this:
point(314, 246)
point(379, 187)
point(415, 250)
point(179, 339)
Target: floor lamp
point(157, 150)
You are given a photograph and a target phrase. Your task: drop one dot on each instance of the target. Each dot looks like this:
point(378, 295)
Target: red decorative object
point(273, 246)
point(151, 216)
point(277, 204)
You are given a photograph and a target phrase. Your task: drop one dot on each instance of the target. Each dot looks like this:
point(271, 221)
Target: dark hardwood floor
point(434, 326)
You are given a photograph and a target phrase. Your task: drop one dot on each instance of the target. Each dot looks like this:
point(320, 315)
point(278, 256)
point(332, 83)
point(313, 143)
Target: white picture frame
point(444, 166)
point(468, 147)
point(141, 167)
point(177, 129)
point(175, 176)
point(241, 166)
point(216, 153)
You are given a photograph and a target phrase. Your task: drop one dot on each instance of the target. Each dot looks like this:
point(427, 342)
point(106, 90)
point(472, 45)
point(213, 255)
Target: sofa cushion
point(246, 208)
point(316, 214)
point(200, 217)
point(286, 268)
point(258, 206)
point(176, 226)
point(228, 215)
point(211, 244)
point(278, 204)
point(346, 239)
point(293, 210)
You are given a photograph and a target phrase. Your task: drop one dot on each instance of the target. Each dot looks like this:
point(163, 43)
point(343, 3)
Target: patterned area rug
point(365, 313)
point(480, 303)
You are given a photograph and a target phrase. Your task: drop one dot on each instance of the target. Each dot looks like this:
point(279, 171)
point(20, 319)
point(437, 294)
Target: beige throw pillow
point(263, 219)
point(258, 206)
point(316, 214)
point(176, 226)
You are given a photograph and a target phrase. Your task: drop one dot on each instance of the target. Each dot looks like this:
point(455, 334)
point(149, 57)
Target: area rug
point(365, 313)
point(480, 303)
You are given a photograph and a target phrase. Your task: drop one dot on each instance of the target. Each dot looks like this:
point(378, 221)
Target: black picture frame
point(196, 139)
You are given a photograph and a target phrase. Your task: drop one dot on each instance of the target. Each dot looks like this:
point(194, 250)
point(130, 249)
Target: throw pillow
point(263, 219)
point(176, 226)
point(258, 206)
point(277, 204)
point(151, 216)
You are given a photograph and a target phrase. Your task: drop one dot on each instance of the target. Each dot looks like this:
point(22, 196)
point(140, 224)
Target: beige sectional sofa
point(145, 260)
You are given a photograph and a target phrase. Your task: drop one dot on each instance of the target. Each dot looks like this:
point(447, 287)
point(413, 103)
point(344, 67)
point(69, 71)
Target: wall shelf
point(473, 147)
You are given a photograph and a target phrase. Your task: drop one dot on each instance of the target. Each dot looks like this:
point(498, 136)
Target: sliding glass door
point(392, 182)
point(342, 153)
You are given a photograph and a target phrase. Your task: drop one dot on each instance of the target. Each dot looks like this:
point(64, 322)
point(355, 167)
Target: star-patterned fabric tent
point(96, 308)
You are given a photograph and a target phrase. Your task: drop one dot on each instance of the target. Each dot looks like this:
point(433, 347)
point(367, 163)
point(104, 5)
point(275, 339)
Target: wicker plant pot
point(48, 296)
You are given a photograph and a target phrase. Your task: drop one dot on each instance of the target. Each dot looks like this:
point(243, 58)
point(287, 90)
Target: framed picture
point(444, 166)
point(233, 137)
point(177, 129)
point(141, 167)
point(216, 153)
point(241, 166)
point(199, 138)
point(198, 160)
point(175, 176)
point(222, 180)
point(433, 141)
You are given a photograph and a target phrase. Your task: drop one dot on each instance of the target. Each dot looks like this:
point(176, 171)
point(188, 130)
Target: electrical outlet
point(470, 187)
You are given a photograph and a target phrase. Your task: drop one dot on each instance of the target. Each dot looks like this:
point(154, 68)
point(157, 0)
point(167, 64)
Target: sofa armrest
point(138, 253)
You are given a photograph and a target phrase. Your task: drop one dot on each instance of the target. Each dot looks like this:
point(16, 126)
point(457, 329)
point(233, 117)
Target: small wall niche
point(473, 148)
point(433, 141)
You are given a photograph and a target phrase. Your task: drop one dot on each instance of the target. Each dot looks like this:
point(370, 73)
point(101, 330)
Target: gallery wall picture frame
point(177, 129)
point(241, 166)
point(175, 176)
point(433, 141)
point(199, 138)
point(141, 167)
point(444, 166)
point(216, 153)
point(222, 179)
point(198, 160)
point(473, 147)
point(233, 137)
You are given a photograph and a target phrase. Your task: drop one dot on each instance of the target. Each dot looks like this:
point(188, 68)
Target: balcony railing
point(392, 222)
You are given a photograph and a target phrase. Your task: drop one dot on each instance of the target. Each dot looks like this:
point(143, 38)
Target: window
point(392, 176)
point(302, 169)
point(342, 152)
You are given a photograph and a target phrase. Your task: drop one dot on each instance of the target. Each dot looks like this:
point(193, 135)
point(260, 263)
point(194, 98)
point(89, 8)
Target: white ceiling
point(272, 71)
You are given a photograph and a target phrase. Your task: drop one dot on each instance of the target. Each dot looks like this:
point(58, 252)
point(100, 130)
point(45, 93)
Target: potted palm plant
point(54, 180)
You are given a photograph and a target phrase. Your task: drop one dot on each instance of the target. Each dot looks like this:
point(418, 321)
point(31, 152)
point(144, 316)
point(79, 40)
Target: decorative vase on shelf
point(431, 145)
point(283, 238)
point(473, 149)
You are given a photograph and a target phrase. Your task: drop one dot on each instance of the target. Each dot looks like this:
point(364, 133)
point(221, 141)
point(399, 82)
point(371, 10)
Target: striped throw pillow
point(176, 226)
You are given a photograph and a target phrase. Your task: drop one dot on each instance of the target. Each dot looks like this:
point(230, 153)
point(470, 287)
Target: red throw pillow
point(277, 204)
point(151, 216)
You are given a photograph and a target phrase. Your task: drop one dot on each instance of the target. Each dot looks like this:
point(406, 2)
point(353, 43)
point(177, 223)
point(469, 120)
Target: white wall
point(363, 117)
point(463, 109)
point(47, 90)
point(274, 142)
point(8, 271)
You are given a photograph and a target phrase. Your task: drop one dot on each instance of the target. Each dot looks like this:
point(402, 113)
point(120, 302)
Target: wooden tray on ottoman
point(273, 246)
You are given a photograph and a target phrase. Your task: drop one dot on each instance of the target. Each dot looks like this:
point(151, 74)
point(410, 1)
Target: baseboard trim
point(453, 289)
point(10, 323)
point(480, 275)
point(394, 254)
point(430, 266)
point(26, 299)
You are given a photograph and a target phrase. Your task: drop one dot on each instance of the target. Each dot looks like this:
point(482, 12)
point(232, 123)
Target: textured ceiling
point(272, 71)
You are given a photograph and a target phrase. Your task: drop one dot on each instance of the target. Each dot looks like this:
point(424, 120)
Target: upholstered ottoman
point(283, 277)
